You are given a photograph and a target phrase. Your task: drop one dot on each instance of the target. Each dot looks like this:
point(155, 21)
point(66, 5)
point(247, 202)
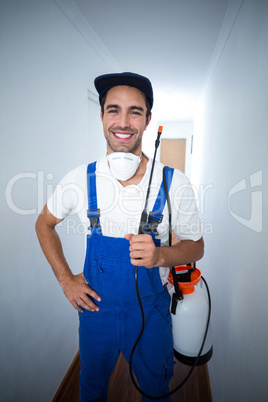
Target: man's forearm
point(182, 253)
point(74, 287)
point(52, 248)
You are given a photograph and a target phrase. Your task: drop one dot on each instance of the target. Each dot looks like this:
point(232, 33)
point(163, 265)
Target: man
point(114, 190)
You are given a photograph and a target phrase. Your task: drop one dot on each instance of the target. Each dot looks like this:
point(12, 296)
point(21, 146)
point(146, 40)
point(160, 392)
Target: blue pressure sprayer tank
point(190, 313)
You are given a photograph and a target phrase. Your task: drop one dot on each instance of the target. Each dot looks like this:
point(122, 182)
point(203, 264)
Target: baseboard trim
point(68, 379)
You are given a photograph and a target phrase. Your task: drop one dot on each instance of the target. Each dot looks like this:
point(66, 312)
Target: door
point(173, 153)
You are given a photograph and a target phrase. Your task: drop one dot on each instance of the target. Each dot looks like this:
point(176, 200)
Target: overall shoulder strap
point(156, 215)
point(93, 212)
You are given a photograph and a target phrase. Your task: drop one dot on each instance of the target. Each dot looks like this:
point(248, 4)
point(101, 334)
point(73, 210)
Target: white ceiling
point(170, 41)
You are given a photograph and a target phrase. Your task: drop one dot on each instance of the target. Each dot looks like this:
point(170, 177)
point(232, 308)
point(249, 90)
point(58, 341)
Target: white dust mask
point(123, 165)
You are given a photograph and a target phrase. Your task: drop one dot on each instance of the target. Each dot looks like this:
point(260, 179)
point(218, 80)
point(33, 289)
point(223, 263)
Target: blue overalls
point(117, 324)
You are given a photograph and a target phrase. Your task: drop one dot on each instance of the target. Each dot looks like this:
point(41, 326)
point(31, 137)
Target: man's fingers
point(93, 294)
point(129, 236)
point(88, 304)
point(76, 306)
point(84, 302)
point(139, 249)
point(138, 254)
point(142, 250)
point(80, 294)
point(88, 290)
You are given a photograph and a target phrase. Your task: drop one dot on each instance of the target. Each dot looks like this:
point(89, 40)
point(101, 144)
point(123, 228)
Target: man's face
point(124, 119)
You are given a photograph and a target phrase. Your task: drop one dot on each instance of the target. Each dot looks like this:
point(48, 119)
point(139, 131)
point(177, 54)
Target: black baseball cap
point(107, 81)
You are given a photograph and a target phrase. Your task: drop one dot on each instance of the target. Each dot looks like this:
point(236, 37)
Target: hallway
point(52, 50)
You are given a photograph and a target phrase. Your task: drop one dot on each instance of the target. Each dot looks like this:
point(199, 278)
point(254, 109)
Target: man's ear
point(101, 115)
point(148, 120)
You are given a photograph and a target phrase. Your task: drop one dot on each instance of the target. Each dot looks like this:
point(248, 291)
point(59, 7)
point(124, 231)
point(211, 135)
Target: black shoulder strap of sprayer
point(177, 295)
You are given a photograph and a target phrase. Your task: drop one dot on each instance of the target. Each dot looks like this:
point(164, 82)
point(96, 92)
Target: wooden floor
point(121, 389)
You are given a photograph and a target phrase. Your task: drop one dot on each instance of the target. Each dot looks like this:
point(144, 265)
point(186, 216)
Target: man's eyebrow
point(136, 108)
point(112, 107)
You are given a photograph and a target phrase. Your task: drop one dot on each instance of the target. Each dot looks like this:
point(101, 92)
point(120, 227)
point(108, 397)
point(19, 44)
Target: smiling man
point(111, 195)
point(124, 119)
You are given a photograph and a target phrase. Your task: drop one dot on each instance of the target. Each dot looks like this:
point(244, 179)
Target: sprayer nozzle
point(160, 129)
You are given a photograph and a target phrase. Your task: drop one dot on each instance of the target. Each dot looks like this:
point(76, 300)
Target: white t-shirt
point(121, 207)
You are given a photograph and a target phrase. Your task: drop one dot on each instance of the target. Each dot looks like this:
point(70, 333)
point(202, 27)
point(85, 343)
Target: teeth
point(123, 135)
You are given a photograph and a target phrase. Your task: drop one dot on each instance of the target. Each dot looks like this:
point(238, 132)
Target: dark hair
point(147, 103)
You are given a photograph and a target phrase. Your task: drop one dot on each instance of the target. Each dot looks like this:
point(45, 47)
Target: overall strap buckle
point(155, 216)
point(153, 221)
point(93, 216)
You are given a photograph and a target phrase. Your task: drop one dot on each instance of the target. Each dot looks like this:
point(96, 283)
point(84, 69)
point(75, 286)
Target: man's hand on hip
point(78, 293)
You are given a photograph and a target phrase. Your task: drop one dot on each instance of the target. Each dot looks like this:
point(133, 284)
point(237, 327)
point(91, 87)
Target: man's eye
point(112, 111)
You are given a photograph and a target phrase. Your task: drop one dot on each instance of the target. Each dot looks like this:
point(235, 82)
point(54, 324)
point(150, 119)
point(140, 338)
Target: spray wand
point(144, 215)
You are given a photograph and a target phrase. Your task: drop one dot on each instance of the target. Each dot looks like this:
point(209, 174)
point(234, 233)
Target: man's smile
point(122, 136)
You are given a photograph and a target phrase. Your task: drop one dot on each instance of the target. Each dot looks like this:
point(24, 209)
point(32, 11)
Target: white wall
point(230, 149)
point(48, 126)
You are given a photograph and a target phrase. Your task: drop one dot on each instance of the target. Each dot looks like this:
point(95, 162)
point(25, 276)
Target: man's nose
point(123, 120)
